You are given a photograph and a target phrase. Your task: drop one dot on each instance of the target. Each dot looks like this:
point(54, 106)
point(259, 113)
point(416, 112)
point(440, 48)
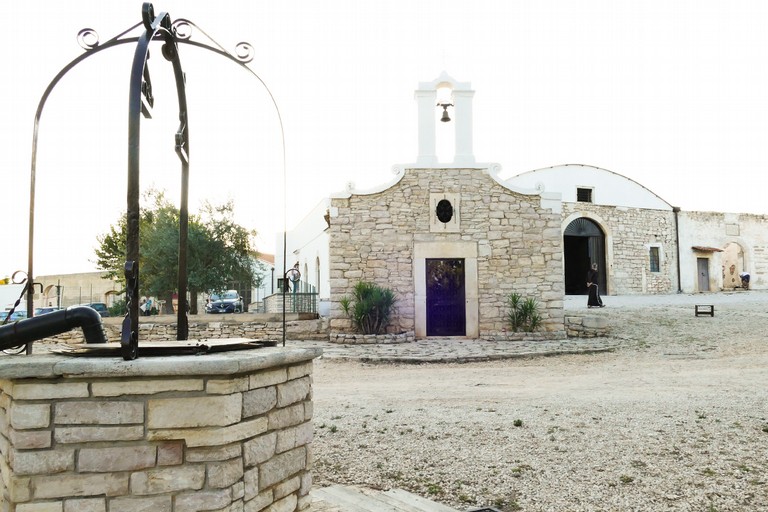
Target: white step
point(341, 498)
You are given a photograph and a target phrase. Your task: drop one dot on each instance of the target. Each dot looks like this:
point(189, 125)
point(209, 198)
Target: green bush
point(523, 313)
point(370, 307)
point(117, 308)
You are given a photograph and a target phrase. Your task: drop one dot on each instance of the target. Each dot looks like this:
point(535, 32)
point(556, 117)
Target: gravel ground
point(674, 420)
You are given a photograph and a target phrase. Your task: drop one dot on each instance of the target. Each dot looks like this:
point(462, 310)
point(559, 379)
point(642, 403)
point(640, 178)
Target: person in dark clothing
point(594, 300)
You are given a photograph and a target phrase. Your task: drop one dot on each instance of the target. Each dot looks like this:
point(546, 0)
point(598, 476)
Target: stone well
point(216, 432)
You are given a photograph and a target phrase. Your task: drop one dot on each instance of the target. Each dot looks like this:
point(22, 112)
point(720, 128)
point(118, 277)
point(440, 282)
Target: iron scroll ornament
point(293, 275)
point(140, 102)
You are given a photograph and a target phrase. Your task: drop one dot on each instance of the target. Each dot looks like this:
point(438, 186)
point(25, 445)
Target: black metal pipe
point(51, 324)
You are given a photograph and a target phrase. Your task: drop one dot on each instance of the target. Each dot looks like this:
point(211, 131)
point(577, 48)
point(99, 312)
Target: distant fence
point(300, 298)
point(72, 296)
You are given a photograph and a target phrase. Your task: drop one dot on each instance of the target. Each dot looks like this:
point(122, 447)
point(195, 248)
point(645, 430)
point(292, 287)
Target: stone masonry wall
point(160, 443)
point(632, 231)
point(718, 230)
point(585, 326)
point(154, 329)
point(519, 245)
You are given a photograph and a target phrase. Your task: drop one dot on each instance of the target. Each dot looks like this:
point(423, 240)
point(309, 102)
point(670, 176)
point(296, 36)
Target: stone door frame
point(607, 264)
point(446, 250)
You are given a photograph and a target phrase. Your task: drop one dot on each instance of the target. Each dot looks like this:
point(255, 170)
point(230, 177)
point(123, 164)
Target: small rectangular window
point(584, 195)
point(654, 255)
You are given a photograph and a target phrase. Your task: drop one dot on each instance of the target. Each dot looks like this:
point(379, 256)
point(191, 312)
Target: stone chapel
point(454, 240)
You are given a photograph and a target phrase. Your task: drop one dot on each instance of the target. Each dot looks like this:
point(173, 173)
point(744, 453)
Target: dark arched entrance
point(583, 244)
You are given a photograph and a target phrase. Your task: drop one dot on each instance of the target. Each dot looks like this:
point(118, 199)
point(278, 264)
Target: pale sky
point(669, 94)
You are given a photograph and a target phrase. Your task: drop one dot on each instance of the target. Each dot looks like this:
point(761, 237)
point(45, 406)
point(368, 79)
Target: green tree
point(219, 250)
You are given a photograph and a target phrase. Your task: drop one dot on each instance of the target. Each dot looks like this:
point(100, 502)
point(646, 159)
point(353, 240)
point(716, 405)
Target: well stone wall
point(220, 432)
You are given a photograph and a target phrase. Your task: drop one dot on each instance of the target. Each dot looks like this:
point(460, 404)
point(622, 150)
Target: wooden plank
point(417, 501)
point(354, 499)
point(404, 503)
point(345, 500)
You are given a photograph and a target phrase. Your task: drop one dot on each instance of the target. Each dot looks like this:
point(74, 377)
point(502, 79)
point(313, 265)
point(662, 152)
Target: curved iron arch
point(586, 246)
point(140, 86)
point(583, 227)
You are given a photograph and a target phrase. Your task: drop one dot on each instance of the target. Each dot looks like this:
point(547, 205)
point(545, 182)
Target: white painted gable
point(608, 188)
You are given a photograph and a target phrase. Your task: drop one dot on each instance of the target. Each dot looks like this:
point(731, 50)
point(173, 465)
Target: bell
point(445, 117)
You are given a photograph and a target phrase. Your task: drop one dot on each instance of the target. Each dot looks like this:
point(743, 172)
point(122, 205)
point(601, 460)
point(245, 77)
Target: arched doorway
point(583, 244)
point(733, 265)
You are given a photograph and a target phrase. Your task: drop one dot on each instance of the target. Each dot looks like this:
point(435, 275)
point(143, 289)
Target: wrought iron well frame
point(156, 28)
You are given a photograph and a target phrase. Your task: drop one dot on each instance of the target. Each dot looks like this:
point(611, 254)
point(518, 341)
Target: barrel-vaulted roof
point(604, 187)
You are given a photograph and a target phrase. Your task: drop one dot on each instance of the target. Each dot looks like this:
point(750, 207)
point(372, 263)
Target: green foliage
point(118, 308)
point(523, 314)
point(370, 307)
point(219, 250)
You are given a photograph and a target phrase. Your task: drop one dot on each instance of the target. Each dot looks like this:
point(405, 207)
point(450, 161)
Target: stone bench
point(704, 310)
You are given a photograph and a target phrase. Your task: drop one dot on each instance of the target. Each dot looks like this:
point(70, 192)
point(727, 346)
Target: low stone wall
point(526, 336)
point(370, 339)
point(254, 327)
point(362, 339)
point(580, 326)
point(310, 329)
point(224, 432)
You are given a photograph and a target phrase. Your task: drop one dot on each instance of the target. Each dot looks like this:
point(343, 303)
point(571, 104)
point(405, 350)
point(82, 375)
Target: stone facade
point(629, 235)
point(163, 328)
point(740, 243)
point(220, 432)
point(511, 243)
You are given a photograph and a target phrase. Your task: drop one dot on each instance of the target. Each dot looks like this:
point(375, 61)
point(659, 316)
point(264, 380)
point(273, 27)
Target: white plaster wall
point(609, 188)
point(264, 269)
point(307, 243)
point(8, 296)
point(717, 230)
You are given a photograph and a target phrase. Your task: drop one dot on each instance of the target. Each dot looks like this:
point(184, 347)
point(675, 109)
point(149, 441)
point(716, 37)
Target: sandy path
point(677, 419)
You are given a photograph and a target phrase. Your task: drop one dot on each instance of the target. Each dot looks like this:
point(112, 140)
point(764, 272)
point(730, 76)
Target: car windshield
point(229, 295)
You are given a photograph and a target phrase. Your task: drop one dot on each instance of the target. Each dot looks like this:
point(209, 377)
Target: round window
point(444, 211)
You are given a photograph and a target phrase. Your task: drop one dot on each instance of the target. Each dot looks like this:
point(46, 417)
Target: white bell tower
point(460, 103)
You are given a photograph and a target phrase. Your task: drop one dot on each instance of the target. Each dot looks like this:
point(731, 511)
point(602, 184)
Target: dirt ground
point(676, 419)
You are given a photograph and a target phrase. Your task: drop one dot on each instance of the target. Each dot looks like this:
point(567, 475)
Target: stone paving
point(463, 350)
point(456, 350)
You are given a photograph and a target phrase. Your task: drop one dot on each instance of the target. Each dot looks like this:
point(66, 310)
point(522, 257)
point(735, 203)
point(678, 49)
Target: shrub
point(370, 307)
point(117, 308)
point(523, 313)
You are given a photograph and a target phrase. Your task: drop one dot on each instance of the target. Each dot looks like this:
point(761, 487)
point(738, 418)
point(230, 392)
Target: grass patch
point(434, 489)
